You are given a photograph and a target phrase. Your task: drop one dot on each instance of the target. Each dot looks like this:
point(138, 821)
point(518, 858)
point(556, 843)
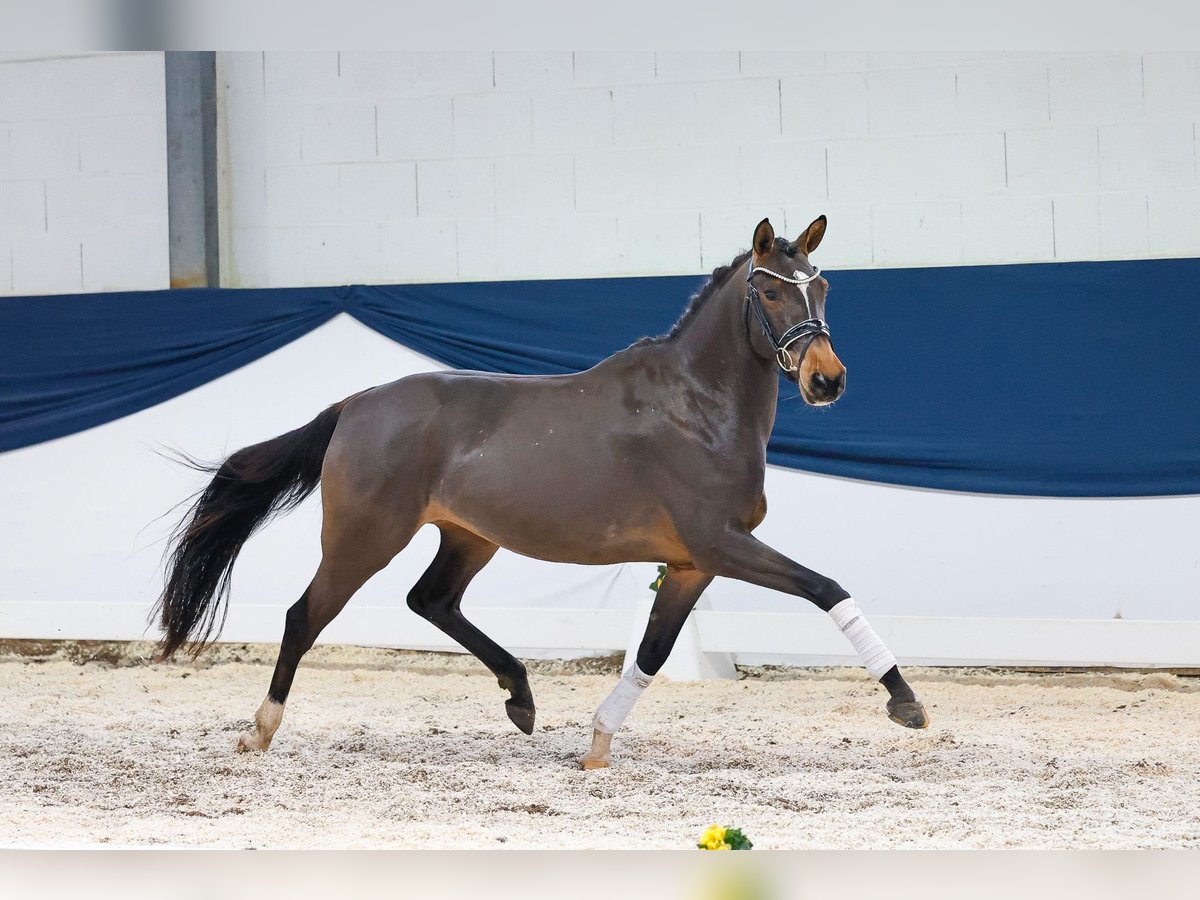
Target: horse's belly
point(588, 520)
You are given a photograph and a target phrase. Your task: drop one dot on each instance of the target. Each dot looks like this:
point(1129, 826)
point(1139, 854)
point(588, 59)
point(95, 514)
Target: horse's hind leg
point(346, 565)
point(676, 596)
point(436, 598)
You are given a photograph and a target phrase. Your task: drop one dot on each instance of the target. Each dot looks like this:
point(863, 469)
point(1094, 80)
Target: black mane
point(715, 281)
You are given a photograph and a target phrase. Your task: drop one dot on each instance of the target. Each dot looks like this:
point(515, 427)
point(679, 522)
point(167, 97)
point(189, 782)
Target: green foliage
point(662, 573)
point(736, 840)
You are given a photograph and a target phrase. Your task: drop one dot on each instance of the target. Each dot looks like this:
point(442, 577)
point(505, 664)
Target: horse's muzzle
point(822, 389)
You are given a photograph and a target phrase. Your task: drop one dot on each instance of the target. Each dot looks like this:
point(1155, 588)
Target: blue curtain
point(1075, 379)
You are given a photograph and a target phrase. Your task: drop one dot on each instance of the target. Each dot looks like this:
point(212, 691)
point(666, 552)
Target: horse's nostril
point(827, 387)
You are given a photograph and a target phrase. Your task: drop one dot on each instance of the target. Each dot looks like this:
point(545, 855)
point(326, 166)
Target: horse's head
point(791, 301)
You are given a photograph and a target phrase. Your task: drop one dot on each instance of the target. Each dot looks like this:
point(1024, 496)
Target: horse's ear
point(811, 239)
point(764, 237)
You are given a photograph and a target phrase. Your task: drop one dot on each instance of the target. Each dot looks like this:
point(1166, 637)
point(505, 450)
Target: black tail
point(250, 487)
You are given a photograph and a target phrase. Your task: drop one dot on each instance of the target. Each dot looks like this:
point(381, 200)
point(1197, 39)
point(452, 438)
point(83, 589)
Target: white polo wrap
point(854, 625)
point(617, 705)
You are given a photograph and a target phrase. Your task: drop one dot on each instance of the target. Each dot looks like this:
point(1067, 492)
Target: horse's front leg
point(676, 596)
point(738, 554)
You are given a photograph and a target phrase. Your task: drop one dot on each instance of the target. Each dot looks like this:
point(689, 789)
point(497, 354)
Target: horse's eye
point(770, 295)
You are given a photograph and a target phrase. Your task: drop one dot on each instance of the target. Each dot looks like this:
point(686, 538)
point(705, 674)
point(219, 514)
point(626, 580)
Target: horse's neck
point(716, 348)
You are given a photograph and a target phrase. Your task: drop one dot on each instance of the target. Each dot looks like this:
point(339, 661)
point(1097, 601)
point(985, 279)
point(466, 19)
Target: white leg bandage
point(617, 705)
point(854, 625)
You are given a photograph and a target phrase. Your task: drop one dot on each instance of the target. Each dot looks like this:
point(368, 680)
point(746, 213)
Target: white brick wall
point(83, 175)
point(560, 164)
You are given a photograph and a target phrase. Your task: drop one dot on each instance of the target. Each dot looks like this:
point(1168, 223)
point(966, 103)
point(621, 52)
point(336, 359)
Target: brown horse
point(656, 454)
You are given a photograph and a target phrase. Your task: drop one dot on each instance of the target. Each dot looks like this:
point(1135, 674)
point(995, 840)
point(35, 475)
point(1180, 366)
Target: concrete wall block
point(659, 242)
point(1076, 226)
point(285, 256)
point(1172, 84)
point(783, 173)
point(622, 180)
point(45, 264)
point(1003, 94)
point(415, 129)
point(848, 238)
point(531, 185)
point(591, 251)
point(246, 192)
point(125, 258)
point(581, 119)
point(490, 249)
point(1147, 155)
point(533, 70)
point(83, 162)
point(1096, 89)
point(911, 101)
point(302, 195)
point(516, 246)
point(338, 133)
point(373, 193)
point(1174, 223)
point(124, 144)
point(240, 100)
point(1124, 225)
point(90, 204)
point(22, 209)
point(301, 76)
point(696, 65)
point(1007, 229)
point(243, 131)
point(448, 188)
point(685, 113)
point(341, 253)
point(699, 176)
point(921, 233)
point(891, 59)
point(405, 73)
point(845, 61)
point(604, 68)
point(1051, 160)
point(280, 133)
point(240, 74)
point(45, 148)
point(492, 124)
point(418, 250)
point(246, 258)
point(77, 86)
point(781, 63)
point(476, 256)
point(820, 107)
point(926, 167)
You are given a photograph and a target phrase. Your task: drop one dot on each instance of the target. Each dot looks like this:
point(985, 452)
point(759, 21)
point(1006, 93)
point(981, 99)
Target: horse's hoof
point(598, 757)
point(248, 742)
point(522, 716)
point(909, 713)
point(588, 761)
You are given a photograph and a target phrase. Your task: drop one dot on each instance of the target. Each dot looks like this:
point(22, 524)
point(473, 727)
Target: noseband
point(806, 331)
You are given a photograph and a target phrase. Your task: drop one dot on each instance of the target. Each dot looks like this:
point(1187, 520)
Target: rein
point(809, 329)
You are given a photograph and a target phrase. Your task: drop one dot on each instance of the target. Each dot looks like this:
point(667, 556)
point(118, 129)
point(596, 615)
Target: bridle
point(808, 330)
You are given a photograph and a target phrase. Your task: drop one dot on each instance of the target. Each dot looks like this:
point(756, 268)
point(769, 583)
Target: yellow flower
point(713, 839)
